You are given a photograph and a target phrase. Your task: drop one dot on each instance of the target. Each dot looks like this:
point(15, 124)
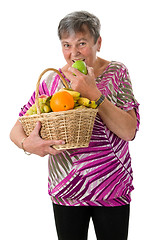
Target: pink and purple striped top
point(101, 174)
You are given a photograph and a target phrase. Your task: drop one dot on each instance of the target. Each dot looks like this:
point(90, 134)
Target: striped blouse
point(101, 174)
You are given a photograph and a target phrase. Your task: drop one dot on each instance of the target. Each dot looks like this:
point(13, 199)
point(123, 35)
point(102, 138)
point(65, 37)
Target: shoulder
point(118, 66)
point(120, 71)
point(115, 75)
point(53, 82)
point(115, 70)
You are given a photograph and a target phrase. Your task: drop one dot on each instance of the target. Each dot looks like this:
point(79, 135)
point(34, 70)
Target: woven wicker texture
point(73, 126)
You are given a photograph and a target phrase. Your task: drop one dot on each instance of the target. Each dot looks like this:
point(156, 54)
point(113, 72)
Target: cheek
point(90, 57)
point(86, 52)
point(65, 54)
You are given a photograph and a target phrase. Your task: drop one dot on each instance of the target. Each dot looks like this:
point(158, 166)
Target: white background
point(28, 45)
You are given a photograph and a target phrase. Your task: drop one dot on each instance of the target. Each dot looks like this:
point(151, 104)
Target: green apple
point(81, 66)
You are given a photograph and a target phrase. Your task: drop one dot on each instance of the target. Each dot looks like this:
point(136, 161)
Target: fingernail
point(63, 142)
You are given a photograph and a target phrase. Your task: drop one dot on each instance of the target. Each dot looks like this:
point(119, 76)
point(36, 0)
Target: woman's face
point(80, 46)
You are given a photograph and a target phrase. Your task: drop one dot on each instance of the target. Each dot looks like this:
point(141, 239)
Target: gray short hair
point(75, 22)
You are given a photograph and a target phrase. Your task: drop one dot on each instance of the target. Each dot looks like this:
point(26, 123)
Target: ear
point(99, 42)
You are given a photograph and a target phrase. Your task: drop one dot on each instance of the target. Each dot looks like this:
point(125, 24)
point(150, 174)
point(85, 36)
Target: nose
point(75, 52)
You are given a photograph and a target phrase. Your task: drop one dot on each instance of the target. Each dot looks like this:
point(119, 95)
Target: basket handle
point(38, 83)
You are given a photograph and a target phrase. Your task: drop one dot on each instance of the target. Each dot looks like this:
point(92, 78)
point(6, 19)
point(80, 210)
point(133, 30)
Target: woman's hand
point(85, 84)
point(35, 144)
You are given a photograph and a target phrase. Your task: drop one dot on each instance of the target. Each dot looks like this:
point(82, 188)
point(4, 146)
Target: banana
point(76, 95)
point(78, 100)
point(46, 109)
point(80, 107)
point(76, 103)
point(93, 104)
point(84, 101)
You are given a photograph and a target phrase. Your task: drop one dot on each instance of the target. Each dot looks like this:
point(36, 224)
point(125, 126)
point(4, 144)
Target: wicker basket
point(73, 126)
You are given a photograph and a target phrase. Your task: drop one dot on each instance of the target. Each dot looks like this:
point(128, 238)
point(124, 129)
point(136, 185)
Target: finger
point(75, 71)
point(54, 142)
point(90, 71)
point(70, 76)
point(53, 151)
point(37, 128)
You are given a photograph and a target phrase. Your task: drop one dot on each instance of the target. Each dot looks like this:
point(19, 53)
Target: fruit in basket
point(80, 107)
point(47, 108)
point(32, 110)
point(43, 96)
point(48, 101)
point(84, 101)
point(44, 103)
point(76, 95)
point(78, 100)
point(93, 104)
point(81, 66)
point(61, 101)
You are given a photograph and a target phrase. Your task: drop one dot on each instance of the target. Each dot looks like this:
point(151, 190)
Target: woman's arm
point(33, 143)
point(122, 123)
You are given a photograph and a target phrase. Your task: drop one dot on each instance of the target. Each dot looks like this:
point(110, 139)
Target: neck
point(99, 66)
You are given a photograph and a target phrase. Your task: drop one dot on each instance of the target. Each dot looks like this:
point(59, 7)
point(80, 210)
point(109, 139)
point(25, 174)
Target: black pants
point(110, 223)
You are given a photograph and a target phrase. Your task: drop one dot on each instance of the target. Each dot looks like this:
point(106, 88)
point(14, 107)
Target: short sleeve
point(125, 97)
point(48, 87)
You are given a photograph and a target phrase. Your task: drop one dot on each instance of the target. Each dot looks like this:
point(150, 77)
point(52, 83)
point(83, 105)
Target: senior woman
point(93, 182)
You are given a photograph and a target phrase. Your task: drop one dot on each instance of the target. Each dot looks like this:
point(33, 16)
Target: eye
point(82, 44)
point(66, 45)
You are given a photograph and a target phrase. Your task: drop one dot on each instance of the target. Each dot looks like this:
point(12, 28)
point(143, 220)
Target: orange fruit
point(61, 101)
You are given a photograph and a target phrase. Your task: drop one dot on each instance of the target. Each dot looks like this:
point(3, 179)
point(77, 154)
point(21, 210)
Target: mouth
point(78, 60)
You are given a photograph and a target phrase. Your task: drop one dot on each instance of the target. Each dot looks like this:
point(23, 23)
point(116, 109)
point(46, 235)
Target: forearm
point(122, 123)
point(34, 143)
point(17, 134)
